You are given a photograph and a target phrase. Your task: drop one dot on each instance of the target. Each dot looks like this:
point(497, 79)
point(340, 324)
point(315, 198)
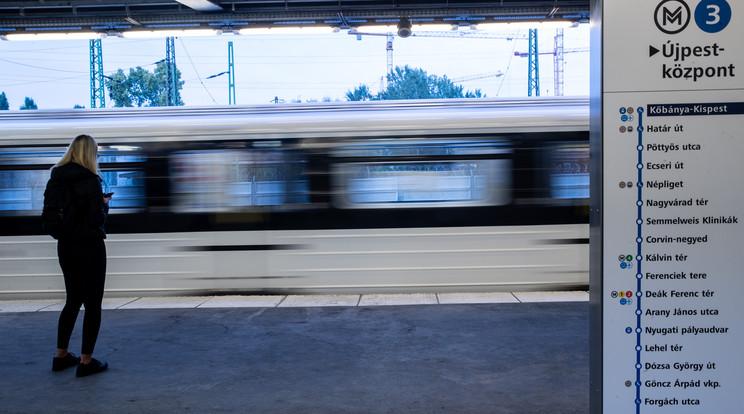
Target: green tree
point(161, 74)
point(360, 93)
point(411, 83)
point(29, 104)
point(142, 87)
point(4, 104)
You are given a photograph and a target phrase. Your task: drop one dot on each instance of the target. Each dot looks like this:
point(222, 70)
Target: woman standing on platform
point(82, 255)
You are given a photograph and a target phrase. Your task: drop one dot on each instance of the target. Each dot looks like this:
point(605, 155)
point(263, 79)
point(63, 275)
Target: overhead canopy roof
point(114, 16)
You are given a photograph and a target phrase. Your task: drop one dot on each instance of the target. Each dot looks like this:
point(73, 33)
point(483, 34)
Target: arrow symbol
point(652, 51)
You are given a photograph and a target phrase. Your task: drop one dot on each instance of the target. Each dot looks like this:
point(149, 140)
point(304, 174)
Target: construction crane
point(533, 69)
point(390, 36)
point(533, 73)
point(389, 49)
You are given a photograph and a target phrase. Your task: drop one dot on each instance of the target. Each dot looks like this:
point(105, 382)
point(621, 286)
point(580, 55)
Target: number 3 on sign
point(712, 16)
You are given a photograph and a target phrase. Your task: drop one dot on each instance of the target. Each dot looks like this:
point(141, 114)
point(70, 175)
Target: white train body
point(420, 196)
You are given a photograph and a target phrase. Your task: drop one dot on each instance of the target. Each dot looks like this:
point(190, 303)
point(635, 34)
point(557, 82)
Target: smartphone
point(107, 195)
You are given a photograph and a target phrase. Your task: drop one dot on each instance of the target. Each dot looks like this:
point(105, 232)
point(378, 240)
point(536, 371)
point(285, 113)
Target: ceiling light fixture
point(537, 24)
point(288, 30)
point(131, 20)
point(401, 29)
point(55, 36)
point(404, 27)
point(138, 34)
point(200, 5)
point(374, 29)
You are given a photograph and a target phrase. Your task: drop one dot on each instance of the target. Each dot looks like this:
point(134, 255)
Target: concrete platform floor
point(457, 358)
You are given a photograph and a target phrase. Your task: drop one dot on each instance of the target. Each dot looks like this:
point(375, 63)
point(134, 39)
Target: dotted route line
point(639, 259)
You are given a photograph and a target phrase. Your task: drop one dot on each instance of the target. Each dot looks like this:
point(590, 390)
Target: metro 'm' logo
point(672, 16)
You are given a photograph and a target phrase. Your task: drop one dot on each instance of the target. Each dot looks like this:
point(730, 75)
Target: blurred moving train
point(363, 197)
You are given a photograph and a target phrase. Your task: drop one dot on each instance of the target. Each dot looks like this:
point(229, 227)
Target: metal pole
point(533, 71)
point(97, 95)
point(558, 63)
point(231, 72)
point(170, 71)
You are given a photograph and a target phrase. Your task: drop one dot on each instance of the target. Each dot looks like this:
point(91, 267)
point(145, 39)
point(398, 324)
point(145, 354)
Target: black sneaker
point(67, 361)
point(95, 366)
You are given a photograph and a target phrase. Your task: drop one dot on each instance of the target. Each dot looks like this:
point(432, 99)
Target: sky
point(56, 73)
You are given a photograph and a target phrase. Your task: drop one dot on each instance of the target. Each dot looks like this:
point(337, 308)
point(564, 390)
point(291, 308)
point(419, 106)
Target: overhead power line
point(477, 76)
point(466, 35)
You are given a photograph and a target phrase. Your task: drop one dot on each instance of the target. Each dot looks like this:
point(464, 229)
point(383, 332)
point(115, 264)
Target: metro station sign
point(668, 283)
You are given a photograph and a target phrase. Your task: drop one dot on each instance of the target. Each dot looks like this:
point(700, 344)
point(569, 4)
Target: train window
point(569, 176)
point(233, 180)
point(22, 191)
point(422, 174)
point(31, 156)
point(122, 174)
point(24, 173)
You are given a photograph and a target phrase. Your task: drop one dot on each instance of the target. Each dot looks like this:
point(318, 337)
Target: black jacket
point(86, 187)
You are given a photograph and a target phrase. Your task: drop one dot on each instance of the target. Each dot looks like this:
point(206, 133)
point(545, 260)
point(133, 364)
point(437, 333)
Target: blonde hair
point(83, 150)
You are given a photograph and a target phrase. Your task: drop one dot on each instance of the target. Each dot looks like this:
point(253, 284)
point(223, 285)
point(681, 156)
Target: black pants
point(83, 263)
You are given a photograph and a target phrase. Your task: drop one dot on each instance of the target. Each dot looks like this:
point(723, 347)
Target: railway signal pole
point(558, 60)
point(533, 69)
point(97, 95)
point(231, 73)
point(558, 63)
point(171, 82)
